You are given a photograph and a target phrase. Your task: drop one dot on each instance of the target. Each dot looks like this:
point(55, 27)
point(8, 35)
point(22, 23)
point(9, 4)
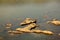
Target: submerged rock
point(55, 22)
point(28, 21)
point(8, 25)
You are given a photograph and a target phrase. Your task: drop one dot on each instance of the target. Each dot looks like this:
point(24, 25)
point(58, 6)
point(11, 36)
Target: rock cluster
point(30, 28)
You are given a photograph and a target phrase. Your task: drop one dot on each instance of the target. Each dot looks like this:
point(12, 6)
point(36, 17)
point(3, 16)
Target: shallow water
point(10, 14)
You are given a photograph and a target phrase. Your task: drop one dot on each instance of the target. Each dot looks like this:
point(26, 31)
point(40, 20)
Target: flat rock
point(14, 32)
point(42, 32)
point(23, 30)
point(36, 31)
point(47, 32)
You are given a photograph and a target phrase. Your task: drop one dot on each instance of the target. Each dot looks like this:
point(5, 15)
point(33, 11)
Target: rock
point(42, 32)
point(8, 25)
point(55, 22)
point(28, 21)
point(23, 30)
point(36, 31)
point(14, 32)
point(31, 26)
point(27, 28)
point(47, 32)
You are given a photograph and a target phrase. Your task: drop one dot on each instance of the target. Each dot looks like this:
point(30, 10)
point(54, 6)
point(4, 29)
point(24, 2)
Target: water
point(10, 14)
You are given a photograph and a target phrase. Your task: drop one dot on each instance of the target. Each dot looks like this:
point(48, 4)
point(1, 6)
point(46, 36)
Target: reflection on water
point(9, 14)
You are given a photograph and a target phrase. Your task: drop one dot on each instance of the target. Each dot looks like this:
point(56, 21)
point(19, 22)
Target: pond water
point(42, 12)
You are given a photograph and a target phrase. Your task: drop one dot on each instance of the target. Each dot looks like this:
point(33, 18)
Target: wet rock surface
point(55, 22)
point(47, 32)
point(28, 21)
point(14, 32)
point(31, 26)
